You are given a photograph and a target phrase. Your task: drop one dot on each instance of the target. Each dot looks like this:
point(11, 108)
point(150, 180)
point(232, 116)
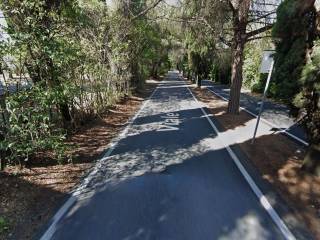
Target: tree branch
point(145, 11)
point(261, 17)
point(257, 38)
point(259, 30)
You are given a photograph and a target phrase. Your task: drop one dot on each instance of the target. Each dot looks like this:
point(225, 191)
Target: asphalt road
point(165, 180)
point(276, 114)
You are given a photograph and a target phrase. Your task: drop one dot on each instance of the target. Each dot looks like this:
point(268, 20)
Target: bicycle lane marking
point(262, 198)
point(74, 195)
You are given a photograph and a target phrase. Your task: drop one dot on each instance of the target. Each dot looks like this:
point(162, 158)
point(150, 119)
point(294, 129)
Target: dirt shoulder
point(278, 160)
point(29, 197)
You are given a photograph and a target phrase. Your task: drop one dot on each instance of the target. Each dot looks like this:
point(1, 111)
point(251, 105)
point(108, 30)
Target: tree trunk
point(236, 69)
point(198, 81)
point(65, 112)
point(311, 161)
point(53, 81)
point(240, 10)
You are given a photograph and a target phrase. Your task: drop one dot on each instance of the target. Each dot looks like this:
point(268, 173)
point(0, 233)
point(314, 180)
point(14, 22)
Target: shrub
point(252, 79)
point(308, 98)
point(221, 70)
point(261, 84)
point(290, 33)
point(4, 226)
point(30, 127)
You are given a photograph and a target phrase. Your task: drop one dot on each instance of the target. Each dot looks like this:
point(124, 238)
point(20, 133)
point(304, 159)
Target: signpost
point(266, 67)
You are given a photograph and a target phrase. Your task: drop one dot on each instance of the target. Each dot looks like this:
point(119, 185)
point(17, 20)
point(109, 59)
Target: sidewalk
point(276, 115)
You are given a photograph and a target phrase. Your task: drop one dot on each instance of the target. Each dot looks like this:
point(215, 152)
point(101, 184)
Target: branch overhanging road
point(164, 179)
point(275, 115)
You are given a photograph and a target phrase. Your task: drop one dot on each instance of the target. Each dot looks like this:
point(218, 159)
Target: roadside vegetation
point(77, 58)
point(65, 65)
point(224, 42)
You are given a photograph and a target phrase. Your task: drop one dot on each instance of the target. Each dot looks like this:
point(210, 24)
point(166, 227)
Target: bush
point(252, 79)
point(81, 57)
point(221, 68)
point(290, 33)
point(259, 86)
point(308, 99)
point(30, 127)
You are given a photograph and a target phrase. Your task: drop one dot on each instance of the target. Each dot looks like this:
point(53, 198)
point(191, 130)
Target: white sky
point(3, 23)
point(173, 2)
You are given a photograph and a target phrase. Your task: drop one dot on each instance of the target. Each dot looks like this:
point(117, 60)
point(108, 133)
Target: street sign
point(267, 59)
point(266, 67)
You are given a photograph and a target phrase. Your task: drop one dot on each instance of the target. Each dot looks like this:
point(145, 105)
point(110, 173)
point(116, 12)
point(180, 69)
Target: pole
point(262, 103)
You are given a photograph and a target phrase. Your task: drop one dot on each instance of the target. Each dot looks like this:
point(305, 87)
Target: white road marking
point(264, 120)
point(171, 122)
point(74, 196)
point(263, 200)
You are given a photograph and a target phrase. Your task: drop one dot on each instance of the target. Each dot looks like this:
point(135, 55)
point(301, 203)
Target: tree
point(244, 14)
point(296, 78)
point(202, 24)
point(293, 37)
point(38, 35)
point(309, 101)
point(82, 56)
point(240, 13)
point(230, 23)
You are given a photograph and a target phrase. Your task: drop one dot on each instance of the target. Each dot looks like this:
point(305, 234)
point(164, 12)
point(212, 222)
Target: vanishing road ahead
point(167, 178)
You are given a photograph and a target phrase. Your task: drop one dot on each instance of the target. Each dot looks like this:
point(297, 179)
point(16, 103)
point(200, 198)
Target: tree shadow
point(296, 193)
point(202, 197)
point(173, 184)
point(277, 114)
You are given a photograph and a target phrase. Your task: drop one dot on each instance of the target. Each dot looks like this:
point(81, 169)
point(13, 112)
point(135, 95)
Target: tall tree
point(233, 23)
point(253, 14)
point(297, 37)
point(36, 25)
point(293, 37)
point(240, 12)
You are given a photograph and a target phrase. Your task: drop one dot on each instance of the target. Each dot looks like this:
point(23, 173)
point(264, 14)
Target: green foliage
point(4, 226)
point(201, 40)
point(80, 57)
point(30, 129)
point(221, 70)
point(252, 79)
point(290, 34)
point(296, 76)
point(259, 86)
point(309, 98)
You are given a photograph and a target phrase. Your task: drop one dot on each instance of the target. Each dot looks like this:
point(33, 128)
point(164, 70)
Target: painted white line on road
point(264, 120)
point(74, 196)
point(262, 198)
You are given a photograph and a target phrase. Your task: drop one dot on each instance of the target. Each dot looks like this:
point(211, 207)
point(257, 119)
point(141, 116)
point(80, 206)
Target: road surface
point(164, 179)
point(275, 114)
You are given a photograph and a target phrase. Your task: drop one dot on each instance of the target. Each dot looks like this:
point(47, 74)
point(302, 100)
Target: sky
point(3, 23)
point(173, 2)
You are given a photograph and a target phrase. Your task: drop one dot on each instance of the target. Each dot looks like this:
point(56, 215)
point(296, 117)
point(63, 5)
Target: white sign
point(267, 60)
